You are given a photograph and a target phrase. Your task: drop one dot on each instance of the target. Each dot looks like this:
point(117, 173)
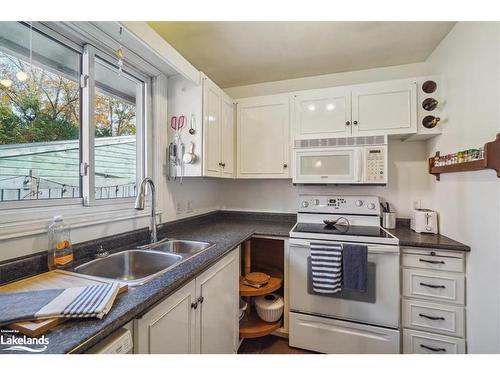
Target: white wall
point(202, 193)
point(468, 203)
point(328, 80)
point(408, 181)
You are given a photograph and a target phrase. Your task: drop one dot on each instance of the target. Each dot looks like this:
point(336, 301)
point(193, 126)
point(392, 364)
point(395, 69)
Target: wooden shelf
point(491, 161)
point(252, 326)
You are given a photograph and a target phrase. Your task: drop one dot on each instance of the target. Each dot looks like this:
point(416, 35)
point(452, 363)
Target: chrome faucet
point(139, 204)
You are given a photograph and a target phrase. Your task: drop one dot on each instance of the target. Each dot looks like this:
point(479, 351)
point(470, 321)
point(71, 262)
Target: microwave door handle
point(358, 173)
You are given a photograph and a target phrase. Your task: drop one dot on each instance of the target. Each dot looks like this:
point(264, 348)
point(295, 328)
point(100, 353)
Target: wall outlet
point(417, 203)
point(178, 207)
point(189, 206)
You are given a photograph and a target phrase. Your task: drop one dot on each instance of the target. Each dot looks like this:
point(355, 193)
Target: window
point(115, 146)
point(39, 116)
point(58, 140)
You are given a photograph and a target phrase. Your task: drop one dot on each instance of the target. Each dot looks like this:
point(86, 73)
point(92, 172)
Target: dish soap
point(60, 250)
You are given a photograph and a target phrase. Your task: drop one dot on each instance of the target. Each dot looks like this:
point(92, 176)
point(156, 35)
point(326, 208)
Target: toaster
point(424, 221)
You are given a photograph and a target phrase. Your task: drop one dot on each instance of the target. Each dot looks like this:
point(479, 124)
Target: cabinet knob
point(220, 164)
point(194, 305)
point(348, 123)
point(201, 299)
point(355, 122)
point(223, 165)
point(285, 165)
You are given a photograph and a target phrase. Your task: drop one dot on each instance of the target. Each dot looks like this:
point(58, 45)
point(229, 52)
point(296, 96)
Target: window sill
point(34, 221)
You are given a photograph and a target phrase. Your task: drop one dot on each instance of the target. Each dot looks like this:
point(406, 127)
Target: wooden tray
point(56, 279)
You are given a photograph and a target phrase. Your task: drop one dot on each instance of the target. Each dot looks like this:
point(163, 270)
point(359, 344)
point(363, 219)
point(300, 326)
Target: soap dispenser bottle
point(60, 250)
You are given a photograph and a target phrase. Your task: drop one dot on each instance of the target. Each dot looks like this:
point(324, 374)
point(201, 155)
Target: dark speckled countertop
point(409, 238)
point(225, 230)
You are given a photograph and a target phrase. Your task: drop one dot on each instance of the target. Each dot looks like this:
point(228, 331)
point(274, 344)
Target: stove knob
point(316, 202)
point(371, 206)
point(359, 203)
point(305, 204)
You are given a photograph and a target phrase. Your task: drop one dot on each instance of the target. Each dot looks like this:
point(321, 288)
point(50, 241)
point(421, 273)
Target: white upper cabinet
point(380, 108)
point(384, 108)
point(212, 124)
point(263, 137)
point(218, 131)
point(227, 137)
point(322, 113)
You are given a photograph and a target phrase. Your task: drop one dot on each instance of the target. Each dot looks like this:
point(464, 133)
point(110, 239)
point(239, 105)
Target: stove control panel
point(341, 204)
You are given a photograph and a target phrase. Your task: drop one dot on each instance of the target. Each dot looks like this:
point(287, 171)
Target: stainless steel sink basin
point(179, 246)
point(133, 267)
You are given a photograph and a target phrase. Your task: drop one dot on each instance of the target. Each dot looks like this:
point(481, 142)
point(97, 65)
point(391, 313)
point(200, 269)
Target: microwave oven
point(351, 160)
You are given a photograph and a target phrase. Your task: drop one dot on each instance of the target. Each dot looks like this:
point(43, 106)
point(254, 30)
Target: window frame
point(144, 127)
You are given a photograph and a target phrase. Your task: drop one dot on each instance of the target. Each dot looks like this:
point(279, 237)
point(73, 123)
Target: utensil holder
point(389, 220)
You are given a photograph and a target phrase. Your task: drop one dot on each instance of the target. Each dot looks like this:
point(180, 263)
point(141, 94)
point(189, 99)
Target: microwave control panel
point(376, 164)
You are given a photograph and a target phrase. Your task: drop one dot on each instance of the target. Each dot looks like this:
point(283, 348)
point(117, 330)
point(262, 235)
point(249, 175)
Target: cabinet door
point(212, 97)
point(227, 137)
point(263, 137)
point(169, 328)
point(322, 113)
point(384, 108)
point(218, 287)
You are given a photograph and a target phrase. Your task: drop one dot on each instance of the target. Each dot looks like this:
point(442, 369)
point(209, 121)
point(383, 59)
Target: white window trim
point(32, 217)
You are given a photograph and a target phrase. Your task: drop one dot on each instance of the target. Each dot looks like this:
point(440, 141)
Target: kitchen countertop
point(408, 237)
point(224, 229)
point(226, 232)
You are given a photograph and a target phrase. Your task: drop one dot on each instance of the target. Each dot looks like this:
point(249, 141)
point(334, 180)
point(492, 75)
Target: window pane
point(39, 116)
point(115, 132)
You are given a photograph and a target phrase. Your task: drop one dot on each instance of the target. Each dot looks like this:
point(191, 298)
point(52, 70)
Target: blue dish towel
point(92, 301)
point(326, 268)
point(355, 267)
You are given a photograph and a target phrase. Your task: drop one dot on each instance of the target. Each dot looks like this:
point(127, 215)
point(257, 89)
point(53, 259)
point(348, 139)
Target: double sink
point(137, 266)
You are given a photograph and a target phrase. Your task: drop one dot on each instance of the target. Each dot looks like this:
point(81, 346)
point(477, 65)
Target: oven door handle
point(370, 251)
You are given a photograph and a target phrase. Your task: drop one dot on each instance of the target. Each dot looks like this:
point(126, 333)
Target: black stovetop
point(346, 230)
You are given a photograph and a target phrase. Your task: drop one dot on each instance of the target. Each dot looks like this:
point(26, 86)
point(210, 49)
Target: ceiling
point(242, 53)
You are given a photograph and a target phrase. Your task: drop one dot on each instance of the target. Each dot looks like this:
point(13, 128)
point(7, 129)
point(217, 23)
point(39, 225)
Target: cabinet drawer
point(340, 337)
point(415, 342)
point(439, 318)
point(439, 286)
point(451, 264)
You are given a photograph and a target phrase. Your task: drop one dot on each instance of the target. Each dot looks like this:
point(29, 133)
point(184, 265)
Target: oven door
point(333, 165)
point(378, 306)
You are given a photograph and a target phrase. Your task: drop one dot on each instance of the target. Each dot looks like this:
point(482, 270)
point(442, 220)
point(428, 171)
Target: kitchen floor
point(269, 345)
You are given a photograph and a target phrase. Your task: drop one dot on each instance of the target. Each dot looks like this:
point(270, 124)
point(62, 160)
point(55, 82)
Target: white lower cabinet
point(170, 326)
point(218, 323)
point(433, 304)
point(200, 317)
point(435, 317)
point(416, 342)
point(340, 337)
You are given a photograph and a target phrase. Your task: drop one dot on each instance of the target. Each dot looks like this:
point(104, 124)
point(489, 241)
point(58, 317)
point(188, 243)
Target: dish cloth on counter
point(326, 267)
point(355, 267)
point(92, 301)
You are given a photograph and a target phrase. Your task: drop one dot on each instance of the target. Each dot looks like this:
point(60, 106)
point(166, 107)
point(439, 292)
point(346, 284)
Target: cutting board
point(56, 279)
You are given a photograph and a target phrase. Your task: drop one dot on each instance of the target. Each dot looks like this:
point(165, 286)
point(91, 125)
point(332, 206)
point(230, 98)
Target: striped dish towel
point(92, 301)
point(326, 268)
